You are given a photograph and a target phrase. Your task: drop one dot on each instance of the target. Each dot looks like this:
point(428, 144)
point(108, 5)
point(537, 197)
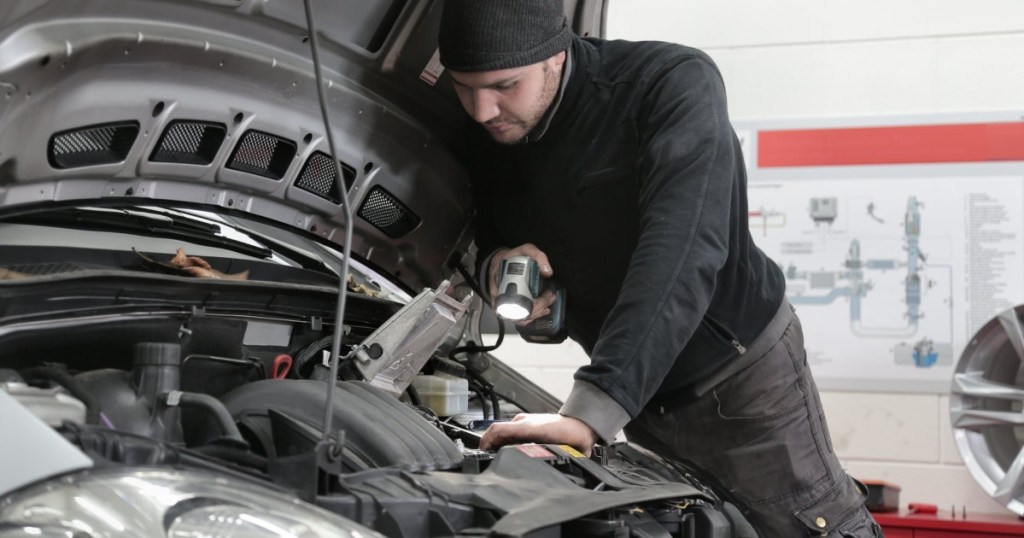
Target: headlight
point(171, 503)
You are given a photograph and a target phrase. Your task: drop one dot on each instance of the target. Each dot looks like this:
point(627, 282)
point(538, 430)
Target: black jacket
point(637, 194)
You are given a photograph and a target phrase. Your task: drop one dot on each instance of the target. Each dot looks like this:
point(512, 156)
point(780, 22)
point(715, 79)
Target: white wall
point(846, 58)
point(789, 59)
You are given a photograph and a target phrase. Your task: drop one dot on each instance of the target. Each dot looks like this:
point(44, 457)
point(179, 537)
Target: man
point(614, 165)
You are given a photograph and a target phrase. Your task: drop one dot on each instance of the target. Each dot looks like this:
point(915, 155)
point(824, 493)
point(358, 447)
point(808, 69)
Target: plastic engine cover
point(379, 430)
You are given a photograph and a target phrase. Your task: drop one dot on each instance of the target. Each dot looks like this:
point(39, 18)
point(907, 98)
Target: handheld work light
point(518, 286)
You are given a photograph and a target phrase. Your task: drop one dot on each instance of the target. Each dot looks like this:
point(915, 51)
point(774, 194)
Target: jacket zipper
point(723, 333)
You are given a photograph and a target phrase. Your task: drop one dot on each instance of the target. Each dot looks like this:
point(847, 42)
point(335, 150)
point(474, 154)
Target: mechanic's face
point(510, 102)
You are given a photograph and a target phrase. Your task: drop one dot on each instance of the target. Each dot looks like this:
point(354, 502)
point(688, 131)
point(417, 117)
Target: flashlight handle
point(549, 329)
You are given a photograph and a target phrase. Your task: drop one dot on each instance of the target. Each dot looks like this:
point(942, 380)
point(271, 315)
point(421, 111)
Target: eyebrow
point(493, 85)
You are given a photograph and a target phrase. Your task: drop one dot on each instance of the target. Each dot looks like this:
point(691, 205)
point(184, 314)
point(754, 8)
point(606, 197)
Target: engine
point(249, 398)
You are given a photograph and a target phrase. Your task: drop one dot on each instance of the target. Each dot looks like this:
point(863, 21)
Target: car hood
point(213, 104)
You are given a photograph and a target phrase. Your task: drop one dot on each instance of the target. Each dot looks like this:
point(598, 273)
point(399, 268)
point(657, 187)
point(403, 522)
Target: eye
point(505, 86)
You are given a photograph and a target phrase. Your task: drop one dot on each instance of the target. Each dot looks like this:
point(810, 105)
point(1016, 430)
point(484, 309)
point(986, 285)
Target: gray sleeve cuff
point(594, 407)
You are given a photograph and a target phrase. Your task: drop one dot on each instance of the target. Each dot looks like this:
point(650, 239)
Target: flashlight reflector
point(512, 311)
point(512, 305)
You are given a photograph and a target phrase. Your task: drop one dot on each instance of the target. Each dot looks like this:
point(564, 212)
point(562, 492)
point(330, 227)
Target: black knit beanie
point(484, 35)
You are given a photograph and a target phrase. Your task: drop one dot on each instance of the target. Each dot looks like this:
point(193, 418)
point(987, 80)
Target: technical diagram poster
point(892, 268)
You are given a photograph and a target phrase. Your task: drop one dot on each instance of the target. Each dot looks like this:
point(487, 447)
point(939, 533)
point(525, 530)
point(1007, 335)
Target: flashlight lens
point(512, 311)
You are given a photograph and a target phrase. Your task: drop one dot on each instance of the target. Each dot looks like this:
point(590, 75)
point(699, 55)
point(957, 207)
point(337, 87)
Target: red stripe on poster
point(957, 143)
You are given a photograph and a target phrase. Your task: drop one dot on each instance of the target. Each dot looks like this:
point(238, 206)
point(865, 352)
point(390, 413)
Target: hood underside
point(213, 104)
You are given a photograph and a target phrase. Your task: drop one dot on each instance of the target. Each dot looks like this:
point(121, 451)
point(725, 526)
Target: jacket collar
point(580, 59)
point(542, 127)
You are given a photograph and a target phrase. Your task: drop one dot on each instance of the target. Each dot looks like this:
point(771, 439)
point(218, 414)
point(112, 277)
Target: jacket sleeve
point(687, 167)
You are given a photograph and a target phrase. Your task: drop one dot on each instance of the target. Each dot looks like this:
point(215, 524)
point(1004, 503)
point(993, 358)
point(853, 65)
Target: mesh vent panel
point(318, 177)
point(189, 142)
point(262, 154)
point(387, 213)
point(98, 144)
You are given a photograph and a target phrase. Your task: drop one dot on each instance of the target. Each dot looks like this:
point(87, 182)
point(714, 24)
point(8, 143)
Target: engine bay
point(224, 389)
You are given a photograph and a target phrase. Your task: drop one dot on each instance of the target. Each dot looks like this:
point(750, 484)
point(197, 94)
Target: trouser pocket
point(839, 512)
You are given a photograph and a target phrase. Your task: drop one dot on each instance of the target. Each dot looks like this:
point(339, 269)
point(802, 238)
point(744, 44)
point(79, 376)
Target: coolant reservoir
point(445, 394)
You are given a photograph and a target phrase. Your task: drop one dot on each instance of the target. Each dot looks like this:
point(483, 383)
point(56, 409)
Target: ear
point(558, 60)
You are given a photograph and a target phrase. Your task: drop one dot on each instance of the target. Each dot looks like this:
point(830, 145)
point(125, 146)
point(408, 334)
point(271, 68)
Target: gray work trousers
point(760, 439)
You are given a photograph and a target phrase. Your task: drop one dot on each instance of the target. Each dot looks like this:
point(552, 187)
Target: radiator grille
point(96, 144)
point(387, 213)
point(189, 142)
point(262, 154)
point(319, 175)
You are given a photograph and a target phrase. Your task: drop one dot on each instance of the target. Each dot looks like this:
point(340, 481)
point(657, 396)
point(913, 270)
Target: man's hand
point(542, 305)
point(540, 428)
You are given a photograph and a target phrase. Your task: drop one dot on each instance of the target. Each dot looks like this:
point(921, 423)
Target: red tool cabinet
point(943, 525)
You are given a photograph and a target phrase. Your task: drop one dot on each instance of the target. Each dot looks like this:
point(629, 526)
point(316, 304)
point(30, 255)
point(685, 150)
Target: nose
point(484, 107)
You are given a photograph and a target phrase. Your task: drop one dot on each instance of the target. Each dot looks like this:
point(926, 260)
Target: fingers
point(541, 307)
point(499, 435)
point(540, 428)
point(508, 433)
point(538, 256)
point(526, 249)
point(522, 428)
point(534, 316)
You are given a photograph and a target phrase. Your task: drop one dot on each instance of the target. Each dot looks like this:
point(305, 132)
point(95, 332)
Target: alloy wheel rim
point(987, 408)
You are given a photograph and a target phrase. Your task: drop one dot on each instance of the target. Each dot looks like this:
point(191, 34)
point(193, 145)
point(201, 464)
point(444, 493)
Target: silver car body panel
point(39, 453)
